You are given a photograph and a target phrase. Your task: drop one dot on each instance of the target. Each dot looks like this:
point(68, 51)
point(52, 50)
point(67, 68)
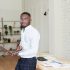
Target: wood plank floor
point(8, 62)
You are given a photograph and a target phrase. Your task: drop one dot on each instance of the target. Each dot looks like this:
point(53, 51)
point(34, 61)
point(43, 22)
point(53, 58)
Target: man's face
point(25, 20)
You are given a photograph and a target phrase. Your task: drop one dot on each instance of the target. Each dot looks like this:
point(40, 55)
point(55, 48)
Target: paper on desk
point(60, 66)
point(55, 64)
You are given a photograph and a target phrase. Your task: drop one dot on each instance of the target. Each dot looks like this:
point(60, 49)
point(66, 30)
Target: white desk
point(42, 67)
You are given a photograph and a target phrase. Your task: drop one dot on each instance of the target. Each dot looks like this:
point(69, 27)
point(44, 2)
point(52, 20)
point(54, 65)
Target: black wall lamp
point(45, 13)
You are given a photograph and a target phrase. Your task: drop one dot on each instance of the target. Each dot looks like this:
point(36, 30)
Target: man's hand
point(12, 53)
point(9, 52)
point(18, 48)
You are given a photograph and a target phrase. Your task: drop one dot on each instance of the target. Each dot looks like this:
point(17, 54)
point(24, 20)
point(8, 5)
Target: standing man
point(28, 47)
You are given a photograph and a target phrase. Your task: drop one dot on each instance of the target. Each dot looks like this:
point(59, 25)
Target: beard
point(24, 26)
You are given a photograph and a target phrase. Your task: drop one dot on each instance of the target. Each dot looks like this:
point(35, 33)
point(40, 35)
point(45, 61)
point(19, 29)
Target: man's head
point(25, 19)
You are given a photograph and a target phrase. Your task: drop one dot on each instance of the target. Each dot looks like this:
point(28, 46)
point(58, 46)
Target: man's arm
point(18, 48)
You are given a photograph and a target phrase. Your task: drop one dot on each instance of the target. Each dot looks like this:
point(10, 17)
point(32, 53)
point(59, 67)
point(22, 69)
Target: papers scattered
point(55, 64)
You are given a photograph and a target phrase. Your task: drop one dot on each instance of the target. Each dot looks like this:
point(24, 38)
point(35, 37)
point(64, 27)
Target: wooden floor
point(8, 62)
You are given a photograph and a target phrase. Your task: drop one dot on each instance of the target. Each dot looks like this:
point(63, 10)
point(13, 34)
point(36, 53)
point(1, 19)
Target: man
point(28, 47)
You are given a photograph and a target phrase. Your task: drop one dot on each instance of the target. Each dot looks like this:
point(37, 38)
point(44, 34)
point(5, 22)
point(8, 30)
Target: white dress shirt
point(29, 42)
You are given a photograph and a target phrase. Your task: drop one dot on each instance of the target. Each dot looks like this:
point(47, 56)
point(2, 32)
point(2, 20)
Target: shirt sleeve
point(34, 45)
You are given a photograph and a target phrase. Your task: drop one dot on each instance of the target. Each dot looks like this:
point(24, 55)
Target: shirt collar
point(28, 27)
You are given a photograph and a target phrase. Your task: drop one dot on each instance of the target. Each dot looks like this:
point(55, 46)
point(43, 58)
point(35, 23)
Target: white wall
point(10, 9)
point(66, 28)
point(56, 28)
point(59, 28)
point(37, 9)
point(51, 27)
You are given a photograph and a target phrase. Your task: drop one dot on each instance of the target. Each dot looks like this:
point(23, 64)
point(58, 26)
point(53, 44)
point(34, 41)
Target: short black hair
point(27, 13)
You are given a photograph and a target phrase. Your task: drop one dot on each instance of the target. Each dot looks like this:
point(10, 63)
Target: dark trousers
point(26, 64)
